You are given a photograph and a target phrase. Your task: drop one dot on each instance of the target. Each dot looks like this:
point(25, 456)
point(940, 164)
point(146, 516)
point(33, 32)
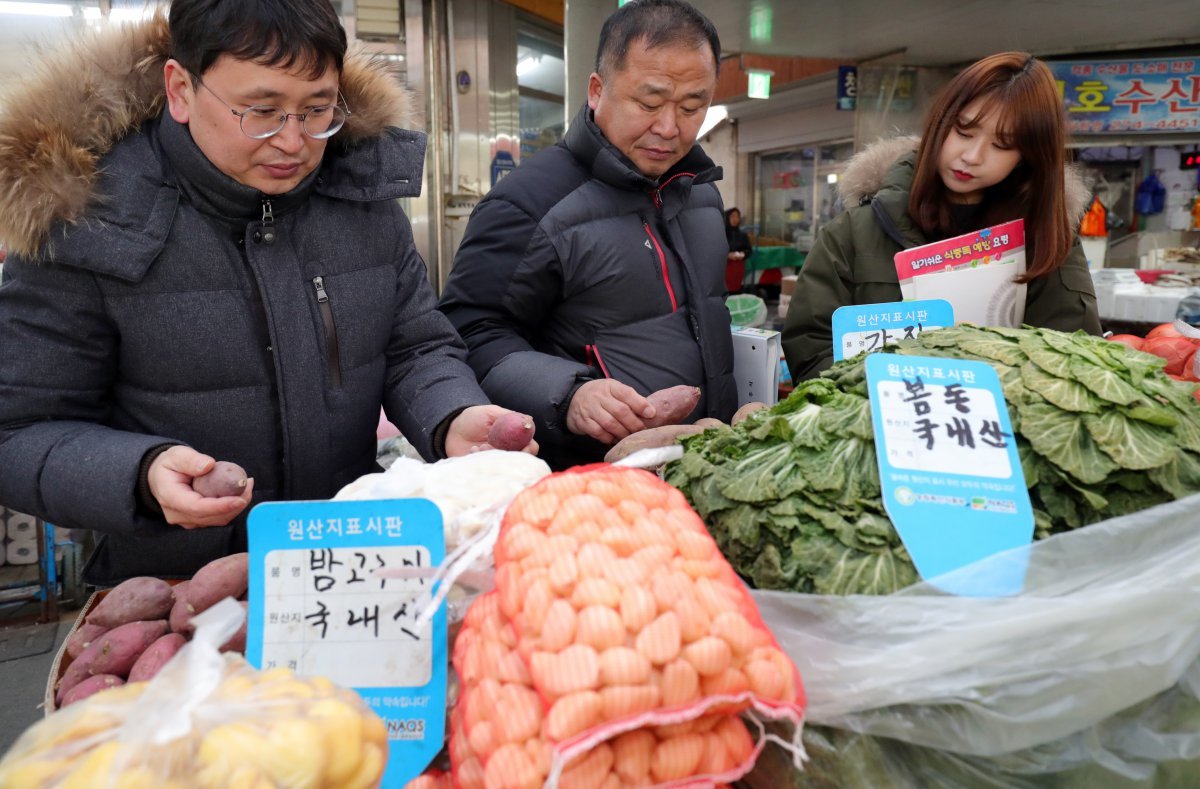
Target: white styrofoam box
point(21, 553)
point(784, 302)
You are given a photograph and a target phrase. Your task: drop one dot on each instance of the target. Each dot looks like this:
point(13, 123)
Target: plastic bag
point(1151, 196)
point(617, 649)
point(206, 720)
point(1095, 219)
point(746, 310)
point(1089, 677)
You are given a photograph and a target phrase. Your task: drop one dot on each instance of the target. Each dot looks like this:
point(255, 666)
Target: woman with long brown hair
point(992, 151)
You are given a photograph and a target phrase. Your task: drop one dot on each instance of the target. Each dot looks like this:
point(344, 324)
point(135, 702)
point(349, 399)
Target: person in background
point(207, 261)
point(992, 151)
point(593, 274)
point(740, 250)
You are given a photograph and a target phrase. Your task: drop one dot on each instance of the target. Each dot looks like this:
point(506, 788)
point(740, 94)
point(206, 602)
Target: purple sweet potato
point(672, 405)
point(511, 431)
point(156, 656)
point(136, 600)
point(181, 618)
point(663, 436)
point(228, 576)
point(89, 687)
point(83, 637)
point(115, 652)
point(237, 643)
point(224, 479)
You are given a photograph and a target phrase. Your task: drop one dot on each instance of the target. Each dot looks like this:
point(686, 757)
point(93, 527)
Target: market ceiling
point(943, 32)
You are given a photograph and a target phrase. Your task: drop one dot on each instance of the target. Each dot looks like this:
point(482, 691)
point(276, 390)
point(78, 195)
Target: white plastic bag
point(206, 720)
point(1091, 673)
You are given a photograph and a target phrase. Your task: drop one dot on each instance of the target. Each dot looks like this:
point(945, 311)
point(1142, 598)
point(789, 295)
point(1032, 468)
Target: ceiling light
point(36, 9)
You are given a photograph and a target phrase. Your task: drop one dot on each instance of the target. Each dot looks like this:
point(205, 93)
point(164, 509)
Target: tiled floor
point(23, 685)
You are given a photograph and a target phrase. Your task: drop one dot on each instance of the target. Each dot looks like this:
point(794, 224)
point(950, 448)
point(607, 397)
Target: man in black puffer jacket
point(593, 274)
point(208, 261)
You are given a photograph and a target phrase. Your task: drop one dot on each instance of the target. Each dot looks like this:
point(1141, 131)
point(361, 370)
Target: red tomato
point(1176, 350)
point(1132, 340)
point(1163, 330)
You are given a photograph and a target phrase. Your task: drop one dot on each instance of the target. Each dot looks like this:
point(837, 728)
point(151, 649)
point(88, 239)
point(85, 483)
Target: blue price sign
point(335, 591)
point(949, 469)
point(865, 328)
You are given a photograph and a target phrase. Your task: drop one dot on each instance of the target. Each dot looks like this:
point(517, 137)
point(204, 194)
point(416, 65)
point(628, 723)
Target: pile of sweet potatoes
point(141, 623)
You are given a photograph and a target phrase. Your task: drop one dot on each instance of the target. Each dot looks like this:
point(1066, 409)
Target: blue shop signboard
point(1124, 96)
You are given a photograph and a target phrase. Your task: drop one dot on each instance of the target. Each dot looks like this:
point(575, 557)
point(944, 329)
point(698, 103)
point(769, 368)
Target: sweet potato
point(228, 576)
point(671, 406)
point(82, 638)
point(237, 642)
point(90, 686)
point(225, 479)
point(136, 600)
point(511, 431)
point(180, 618)
point(156, 656)
point(663, 436)
point(740, 415)
point(708, 422)
point(115, 652)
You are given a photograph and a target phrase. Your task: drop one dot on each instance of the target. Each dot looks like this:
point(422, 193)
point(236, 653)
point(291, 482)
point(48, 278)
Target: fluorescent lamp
point(716, 113)
point(36, 9)
point(832, 178)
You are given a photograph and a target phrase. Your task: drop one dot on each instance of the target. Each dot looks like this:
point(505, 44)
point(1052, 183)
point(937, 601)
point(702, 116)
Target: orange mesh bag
point(618, 648)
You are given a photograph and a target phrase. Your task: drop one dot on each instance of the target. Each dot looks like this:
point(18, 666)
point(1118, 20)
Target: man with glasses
point(208, 261)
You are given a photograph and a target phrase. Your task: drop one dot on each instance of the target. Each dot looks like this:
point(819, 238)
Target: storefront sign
point(1123, 96)
point(866, 328)
point(949, 470)
point(847, 87)
point(325, 600)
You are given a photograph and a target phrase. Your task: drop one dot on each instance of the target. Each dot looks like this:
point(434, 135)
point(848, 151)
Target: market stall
point(758, 612)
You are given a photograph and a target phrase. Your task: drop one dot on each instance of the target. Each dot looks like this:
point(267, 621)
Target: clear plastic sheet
point(1089, 677)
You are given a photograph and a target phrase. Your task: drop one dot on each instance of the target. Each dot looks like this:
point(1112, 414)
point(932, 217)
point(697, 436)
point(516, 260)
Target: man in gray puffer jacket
point(228, 278)
point(594, 274)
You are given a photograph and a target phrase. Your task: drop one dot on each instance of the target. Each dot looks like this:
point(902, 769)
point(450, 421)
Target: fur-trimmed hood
point(867, 172)
point(59, 121)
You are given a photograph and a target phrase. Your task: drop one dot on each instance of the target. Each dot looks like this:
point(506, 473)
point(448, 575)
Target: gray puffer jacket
point(150, 299)
point(577, 266)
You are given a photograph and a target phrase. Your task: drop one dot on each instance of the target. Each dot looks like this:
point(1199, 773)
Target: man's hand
point(607, 410)
point(170, 479)
point(469, 431)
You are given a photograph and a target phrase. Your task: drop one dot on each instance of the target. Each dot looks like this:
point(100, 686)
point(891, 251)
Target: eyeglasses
point(262, 121)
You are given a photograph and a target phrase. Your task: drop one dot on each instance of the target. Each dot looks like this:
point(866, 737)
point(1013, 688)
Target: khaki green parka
point(852, 260)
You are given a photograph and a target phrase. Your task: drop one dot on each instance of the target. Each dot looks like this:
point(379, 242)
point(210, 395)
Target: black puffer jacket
point(577, 266)
point(167, 314)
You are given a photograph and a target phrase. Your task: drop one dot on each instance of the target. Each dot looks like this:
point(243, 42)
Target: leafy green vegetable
point(792, 495)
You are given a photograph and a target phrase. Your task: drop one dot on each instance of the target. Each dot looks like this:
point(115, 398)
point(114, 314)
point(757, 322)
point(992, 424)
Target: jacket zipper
point(656, 193)
point(268, 223)
point(593, 355)
point(331, 343)
point(662, 263)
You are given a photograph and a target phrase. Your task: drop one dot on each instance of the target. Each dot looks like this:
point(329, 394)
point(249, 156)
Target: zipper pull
point(657, 194)
point(319, 284)
point(268, 221)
